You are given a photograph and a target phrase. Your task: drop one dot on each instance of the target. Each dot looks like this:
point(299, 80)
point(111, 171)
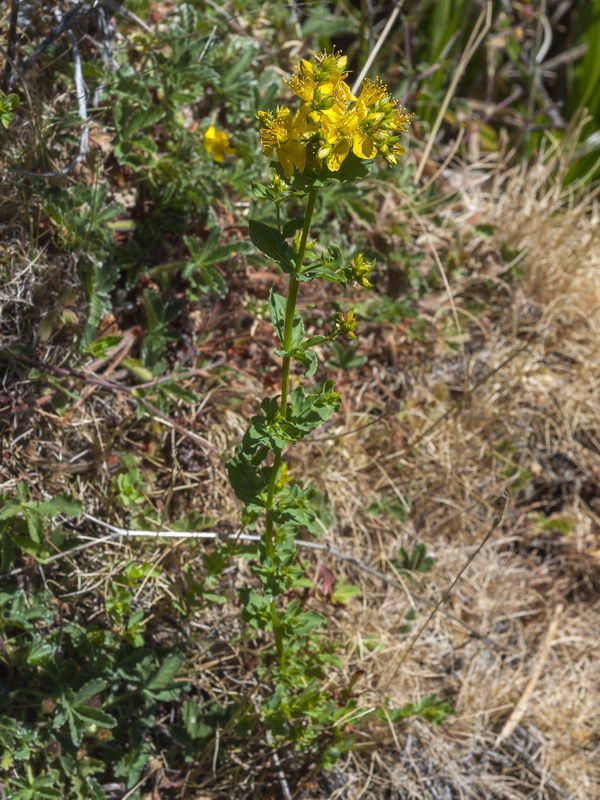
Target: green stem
point(290, 309)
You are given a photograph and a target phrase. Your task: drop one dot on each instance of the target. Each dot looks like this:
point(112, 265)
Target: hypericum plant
point(332, 136)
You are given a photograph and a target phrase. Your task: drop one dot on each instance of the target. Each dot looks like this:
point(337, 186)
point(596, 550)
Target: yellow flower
point(216, 144)
point(285, 133)
point(331, 121)
point(342, 131)
point(372, 92)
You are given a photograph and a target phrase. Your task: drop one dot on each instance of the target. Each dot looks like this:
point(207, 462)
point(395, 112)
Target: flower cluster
point(331, 122)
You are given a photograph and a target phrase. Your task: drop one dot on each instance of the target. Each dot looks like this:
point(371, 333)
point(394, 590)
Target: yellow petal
point(286, 162)
point(363, 145)
point(296, 153)
point(338, 154)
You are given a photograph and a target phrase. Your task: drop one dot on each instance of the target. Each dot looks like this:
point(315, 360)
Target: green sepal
point(272, 244)
point(352, 169)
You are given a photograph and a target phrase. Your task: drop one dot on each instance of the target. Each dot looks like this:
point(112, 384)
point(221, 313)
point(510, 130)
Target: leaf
point(165, 674)
point(89, 690)
point(192, 719)
point(35, 527)
point(60, 504)
point(291, 226)
point(129, 121)
point(277, 309)
point(344, 592)
point(94, 716)
point(272, 244)
point(305, 357)
point(430, 707)
point(11, 510)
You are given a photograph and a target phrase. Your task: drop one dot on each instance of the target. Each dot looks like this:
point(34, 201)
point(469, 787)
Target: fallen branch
point(327, 549)
point(11, 46)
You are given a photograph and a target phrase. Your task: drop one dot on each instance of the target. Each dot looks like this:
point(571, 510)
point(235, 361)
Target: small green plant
point(331, 139)
point(82, 700)
point(431, 708)
point(552, 524)
point(25, 523)
point(8, 104)
point(416, 561)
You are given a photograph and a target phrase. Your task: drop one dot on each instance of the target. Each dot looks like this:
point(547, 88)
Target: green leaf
point(277, 305)
point(344, 592)
point(291, 226)
point(193, 721)
point(277, 309)
point(165, 674)
point(431, 708)
point(11, 510)
point(308, 359)
point(60, 504)
point(89, 690)
point(129, 121)
point(272, 244)
point(94, 716)
point(417, 561)
point(35, 526)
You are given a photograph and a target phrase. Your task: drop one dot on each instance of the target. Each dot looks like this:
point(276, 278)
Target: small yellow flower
point(216, 144)
point(341, 132)
point(285, 133)
point(372, 92)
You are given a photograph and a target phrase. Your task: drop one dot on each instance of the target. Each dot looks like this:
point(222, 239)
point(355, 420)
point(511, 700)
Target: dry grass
point(522, 395)
point(510, 418)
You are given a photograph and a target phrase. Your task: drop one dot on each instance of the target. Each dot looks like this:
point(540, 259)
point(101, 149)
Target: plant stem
point(290, 309)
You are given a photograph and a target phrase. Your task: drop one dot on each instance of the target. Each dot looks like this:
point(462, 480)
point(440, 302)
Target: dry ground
point(491, 439)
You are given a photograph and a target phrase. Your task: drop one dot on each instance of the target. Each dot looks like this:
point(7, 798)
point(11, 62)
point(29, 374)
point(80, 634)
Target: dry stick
point(479, 31)
point(519, 710)
point(62, 26)
point(327, 549)
point(446, 594)
point(378, 45)
point(11, 46)
point(123, 12)
point(81, 108)
point(283, 783)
